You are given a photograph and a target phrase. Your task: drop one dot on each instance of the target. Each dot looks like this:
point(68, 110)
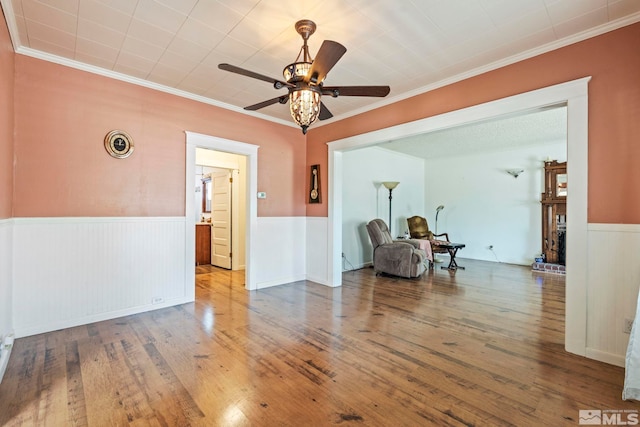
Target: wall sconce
point(515, 172)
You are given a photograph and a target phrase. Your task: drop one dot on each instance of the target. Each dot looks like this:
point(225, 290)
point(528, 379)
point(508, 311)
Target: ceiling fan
point(304, 79)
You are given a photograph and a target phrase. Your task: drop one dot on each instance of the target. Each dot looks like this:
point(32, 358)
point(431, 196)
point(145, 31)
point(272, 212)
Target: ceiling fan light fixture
point(304, 105)
point(304, 80)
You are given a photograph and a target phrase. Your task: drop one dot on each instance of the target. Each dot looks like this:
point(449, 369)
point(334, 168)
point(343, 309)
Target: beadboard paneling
point(613, 283)
point(6, 290)
point(317, 257)
point(72, 271)
point(281, 249)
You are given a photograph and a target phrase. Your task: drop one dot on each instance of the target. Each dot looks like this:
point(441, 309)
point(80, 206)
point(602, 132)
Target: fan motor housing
point(305, 27)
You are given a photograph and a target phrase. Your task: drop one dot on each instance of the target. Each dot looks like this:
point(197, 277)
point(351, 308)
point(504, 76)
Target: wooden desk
point(452, 248)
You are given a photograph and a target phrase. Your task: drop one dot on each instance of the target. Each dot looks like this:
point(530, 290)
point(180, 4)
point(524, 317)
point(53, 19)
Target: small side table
point(452, 248)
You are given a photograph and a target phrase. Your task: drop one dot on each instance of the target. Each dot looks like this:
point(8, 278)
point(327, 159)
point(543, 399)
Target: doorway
point(250, 212)
point(574, 95)
point(463, 169)
point(223, 205)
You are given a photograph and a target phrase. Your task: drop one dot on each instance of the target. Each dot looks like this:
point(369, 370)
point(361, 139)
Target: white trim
point(612, 228)
point(603, 356)
point(194, 140)
point(574, 95)
point(93, 219)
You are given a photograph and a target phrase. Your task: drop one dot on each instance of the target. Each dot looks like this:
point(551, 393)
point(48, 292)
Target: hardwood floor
point(481, 346)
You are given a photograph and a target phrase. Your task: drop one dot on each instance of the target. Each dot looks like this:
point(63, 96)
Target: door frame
point(573, 94)
point(197, 140)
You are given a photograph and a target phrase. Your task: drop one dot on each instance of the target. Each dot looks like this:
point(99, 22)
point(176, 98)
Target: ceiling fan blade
point(276, 83)
point(330, 52)
point(335, 91)
point(324, 112)
point(281, 99)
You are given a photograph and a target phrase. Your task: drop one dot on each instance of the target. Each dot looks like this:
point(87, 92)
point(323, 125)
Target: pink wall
point(6, 121)
point(63, 114)
point(612, 59)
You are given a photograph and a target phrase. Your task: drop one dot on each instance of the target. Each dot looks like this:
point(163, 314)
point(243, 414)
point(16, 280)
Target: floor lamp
point(390, 185)
point(438, 209)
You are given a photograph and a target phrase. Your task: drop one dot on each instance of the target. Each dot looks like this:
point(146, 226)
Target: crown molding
point(584, 35)
point(141, 82)
point(33, 53)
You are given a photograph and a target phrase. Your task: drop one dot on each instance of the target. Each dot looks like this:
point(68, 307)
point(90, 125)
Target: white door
point(221, 219)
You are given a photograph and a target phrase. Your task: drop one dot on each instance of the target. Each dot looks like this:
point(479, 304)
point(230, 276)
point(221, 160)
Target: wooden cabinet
point(203, 244)
point(554, 212)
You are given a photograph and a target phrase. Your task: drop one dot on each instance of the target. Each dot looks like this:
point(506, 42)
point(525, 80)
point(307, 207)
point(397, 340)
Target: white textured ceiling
point(410, 45)
point(548, 126)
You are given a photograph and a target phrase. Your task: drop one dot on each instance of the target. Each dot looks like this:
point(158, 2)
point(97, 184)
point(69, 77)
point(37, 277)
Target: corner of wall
point(6, 345)
point(6, 292)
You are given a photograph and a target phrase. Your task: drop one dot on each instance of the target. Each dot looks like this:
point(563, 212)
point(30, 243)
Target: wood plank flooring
point(476, 347)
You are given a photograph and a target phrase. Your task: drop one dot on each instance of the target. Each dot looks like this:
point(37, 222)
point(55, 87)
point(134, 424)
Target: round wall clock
point(118, 144)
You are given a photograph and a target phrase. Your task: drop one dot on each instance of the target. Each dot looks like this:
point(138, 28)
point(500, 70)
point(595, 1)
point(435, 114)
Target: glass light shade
point(296, 72)
point(390, 185)
point(305, 106)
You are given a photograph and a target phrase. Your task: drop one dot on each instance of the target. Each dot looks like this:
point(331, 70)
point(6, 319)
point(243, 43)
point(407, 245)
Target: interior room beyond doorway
point(212, 163)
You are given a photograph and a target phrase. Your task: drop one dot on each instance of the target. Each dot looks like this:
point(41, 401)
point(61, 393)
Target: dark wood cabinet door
point(203, 244)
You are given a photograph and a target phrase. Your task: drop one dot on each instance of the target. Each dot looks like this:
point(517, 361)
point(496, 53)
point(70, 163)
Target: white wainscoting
point(613, 273)
point(317, 261)
point(74, 271)
point(64, 272)
point(6, 290)
point(280, 246)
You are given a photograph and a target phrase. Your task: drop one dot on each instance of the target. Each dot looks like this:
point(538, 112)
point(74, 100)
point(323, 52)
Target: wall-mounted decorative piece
point(118, 144)
point(314, 193)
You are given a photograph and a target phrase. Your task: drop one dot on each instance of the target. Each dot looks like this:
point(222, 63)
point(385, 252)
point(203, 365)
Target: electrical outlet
point(157, 300)
point(628, 323)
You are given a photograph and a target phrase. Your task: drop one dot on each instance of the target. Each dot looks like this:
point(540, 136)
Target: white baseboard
point(317, 279)
point(602, 356)
point(358, 267)
point(280, 281)
point(79, 321)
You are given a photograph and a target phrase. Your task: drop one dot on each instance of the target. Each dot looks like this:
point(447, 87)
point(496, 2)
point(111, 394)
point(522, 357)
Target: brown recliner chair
point(419, 229)
point(397, 257)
